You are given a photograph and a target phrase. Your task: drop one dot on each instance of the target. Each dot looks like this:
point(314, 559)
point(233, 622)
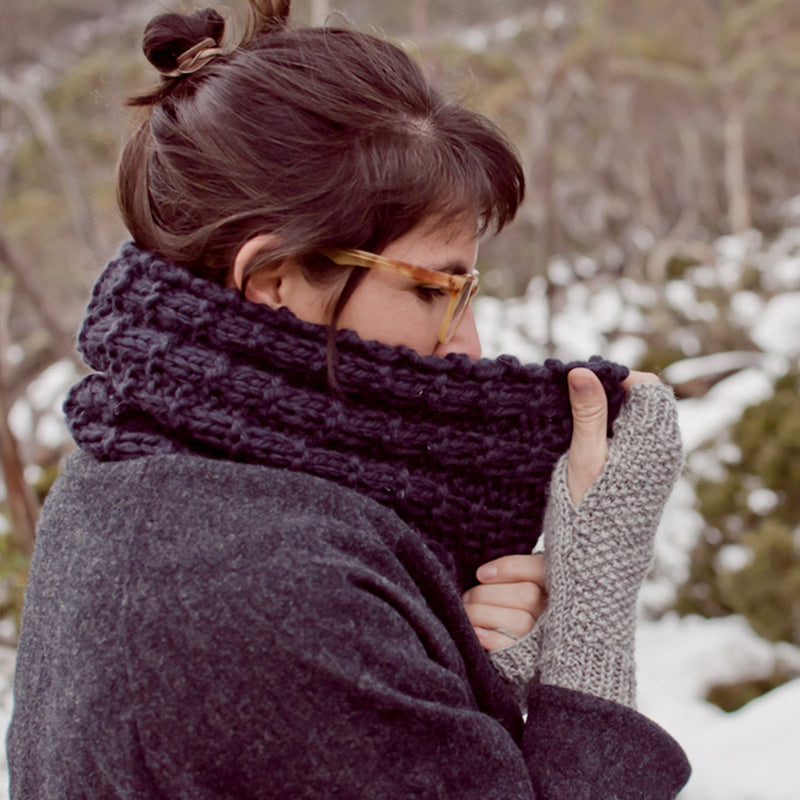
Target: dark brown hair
point(322, 137)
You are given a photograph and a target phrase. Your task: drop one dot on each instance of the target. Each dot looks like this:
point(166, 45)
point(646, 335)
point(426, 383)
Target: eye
point(429, 293)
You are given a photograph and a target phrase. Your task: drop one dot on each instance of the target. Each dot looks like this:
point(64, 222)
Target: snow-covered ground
point(750, 754)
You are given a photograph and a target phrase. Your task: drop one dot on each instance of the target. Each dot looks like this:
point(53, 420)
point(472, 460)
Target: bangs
point(453, 164)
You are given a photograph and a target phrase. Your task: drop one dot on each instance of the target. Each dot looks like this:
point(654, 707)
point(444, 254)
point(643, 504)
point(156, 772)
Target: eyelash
point(429, 293)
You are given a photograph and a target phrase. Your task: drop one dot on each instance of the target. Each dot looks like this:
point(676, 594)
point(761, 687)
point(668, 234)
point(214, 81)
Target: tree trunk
point(44, 129)
point(700, 179)
point(20, 498)
point(540, 81)
point(61, 340)
point(736, 182)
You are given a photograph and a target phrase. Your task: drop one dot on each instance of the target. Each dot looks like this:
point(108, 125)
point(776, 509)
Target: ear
point(263, 286)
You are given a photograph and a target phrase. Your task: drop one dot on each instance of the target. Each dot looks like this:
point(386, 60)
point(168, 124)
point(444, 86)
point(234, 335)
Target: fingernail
point(581, 384)
point(487, 572)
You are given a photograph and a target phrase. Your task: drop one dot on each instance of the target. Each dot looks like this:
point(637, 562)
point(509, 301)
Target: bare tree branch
point(43, 127)
point(61, 339)
point(21, 502)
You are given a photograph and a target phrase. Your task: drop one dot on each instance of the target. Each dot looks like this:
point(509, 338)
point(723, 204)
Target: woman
point(248, 579)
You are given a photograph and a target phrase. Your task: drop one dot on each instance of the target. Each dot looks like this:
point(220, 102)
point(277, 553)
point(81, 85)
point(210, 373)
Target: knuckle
point(531, 596)
point(476, 595)
point(523, 622)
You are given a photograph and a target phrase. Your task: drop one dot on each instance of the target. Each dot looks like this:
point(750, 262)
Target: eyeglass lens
point(464, 297)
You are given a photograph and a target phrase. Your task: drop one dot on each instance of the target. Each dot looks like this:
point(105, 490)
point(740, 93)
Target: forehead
point(449, 244)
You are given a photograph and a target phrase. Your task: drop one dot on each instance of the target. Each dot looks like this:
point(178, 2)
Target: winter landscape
point(661, 229)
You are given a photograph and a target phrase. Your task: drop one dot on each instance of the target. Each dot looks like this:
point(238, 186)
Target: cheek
point(390, 316)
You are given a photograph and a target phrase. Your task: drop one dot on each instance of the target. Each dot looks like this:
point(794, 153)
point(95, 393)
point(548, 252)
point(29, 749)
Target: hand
point(510, 597)
point(587, 458)
point(588, 449)
point(599, 542)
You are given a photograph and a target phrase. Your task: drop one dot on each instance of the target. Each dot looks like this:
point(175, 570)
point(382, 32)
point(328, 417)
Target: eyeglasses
point(461, 288)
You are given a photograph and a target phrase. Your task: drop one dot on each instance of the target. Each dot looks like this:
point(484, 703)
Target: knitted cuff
point(518, 663)
point(592, 668)
point(598, 552)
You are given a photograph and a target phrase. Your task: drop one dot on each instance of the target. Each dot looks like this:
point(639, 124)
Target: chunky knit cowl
point(460, 450)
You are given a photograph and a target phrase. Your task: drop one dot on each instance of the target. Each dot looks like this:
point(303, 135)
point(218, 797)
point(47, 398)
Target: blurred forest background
point(650, 131)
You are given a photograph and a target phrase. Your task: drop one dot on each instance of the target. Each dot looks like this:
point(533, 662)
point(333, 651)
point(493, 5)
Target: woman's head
point(416, 294)
point(310, 139)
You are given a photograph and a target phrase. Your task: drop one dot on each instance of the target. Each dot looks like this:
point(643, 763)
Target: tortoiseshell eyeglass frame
point(461, 288)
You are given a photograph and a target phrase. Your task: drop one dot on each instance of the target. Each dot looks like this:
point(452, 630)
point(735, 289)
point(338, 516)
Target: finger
point(635, 377)
point(526, 596)
point(588, 448)
point(513, 620)
point(512, 569)
point(494, 640)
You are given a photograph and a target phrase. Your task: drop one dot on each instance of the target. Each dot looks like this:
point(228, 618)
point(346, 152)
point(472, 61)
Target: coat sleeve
point(583, 747)
point(322, 672)
point(305, 667)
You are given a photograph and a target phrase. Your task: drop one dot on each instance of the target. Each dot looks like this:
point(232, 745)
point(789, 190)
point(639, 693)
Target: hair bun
point(168, 36)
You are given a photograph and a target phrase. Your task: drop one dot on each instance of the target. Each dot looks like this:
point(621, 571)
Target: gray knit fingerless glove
point(598, 554)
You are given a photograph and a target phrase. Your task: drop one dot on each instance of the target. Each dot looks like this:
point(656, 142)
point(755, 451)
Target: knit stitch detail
point(518, 663)
point(599, 551)
point(602, 660)
point(461, 450)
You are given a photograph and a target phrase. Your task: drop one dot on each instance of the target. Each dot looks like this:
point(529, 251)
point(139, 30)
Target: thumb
point(589, 447)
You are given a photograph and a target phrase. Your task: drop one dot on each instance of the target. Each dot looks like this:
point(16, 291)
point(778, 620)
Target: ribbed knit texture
point(461, 450)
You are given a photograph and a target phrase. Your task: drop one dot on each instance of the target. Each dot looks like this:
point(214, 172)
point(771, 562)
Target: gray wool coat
point(205, 630)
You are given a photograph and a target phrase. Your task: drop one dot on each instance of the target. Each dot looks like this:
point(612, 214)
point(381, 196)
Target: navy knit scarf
point(461, 450)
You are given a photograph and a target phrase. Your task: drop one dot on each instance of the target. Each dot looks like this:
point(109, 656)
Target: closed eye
point(429, 293)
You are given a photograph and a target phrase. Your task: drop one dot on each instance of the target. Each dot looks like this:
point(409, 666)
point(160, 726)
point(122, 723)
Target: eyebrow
point(453, 268)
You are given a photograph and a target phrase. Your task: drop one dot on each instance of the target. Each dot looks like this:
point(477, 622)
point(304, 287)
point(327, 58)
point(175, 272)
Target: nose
point(465, 339)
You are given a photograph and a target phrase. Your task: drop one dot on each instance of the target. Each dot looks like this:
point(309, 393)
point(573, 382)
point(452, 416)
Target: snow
point(746, 307)
point(777, 329)
point(749, 754)
point(38, 414)
point(690, 368)
point(762, 501)
point(705, 417)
